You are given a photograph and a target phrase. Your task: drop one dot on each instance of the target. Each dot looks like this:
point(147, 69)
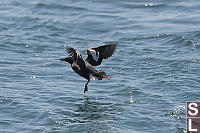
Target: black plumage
point(85, 67)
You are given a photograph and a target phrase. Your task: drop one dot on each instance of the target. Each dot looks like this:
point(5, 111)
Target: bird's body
point(85, 68)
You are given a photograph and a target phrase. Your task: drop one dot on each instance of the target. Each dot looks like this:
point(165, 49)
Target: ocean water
point(154, 70)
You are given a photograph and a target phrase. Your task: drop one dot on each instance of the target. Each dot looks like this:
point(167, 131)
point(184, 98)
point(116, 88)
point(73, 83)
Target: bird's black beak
point(67, 59)
point(63, 59)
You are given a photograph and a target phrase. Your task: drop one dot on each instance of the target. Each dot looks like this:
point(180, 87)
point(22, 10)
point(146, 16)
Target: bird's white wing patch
point(95, 55)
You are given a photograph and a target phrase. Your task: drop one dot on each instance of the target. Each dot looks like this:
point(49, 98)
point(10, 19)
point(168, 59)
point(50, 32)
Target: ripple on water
point(59, 6)
point(89, 112)
point(5, 100)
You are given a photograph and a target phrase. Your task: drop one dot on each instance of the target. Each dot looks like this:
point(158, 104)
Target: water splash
point(131, 100)
point(148, 5)
point(33, 76)
point(177, 112)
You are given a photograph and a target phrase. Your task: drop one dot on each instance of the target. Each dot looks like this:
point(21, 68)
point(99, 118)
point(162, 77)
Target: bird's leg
point(106, 77)
point(86, 88)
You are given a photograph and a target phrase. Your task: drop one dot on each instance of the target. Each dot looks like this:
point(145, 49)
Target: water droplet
point(148, 5)
point(148, 62)
point(33, 77)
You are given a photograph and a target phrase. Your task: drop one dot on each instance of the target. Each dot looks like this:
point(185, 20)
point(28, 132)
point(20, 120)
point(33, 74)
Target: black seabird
point(85, 68)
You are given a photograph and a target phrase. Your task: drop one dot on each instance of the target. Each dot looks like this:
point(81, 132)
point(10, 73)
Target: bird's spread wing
point(97, 54)
point(74, 54)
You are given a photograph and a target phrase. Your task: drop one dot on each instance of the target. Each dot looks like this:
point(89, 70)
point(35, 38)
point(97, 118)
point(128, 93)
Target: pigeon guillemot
point(85, 68)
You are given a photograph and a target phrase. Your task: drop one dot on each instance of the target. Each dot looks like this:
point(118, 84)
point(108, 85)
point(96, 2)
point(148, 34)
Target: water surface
point(154, 70)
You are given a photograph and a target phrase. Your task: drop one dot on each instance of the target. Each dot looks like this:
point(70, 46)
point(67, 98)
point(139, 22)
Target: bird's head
point(78, 55)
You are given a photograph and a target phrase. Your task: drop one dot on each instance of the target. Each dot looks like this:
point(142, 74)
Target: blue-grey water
point(154, 70)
